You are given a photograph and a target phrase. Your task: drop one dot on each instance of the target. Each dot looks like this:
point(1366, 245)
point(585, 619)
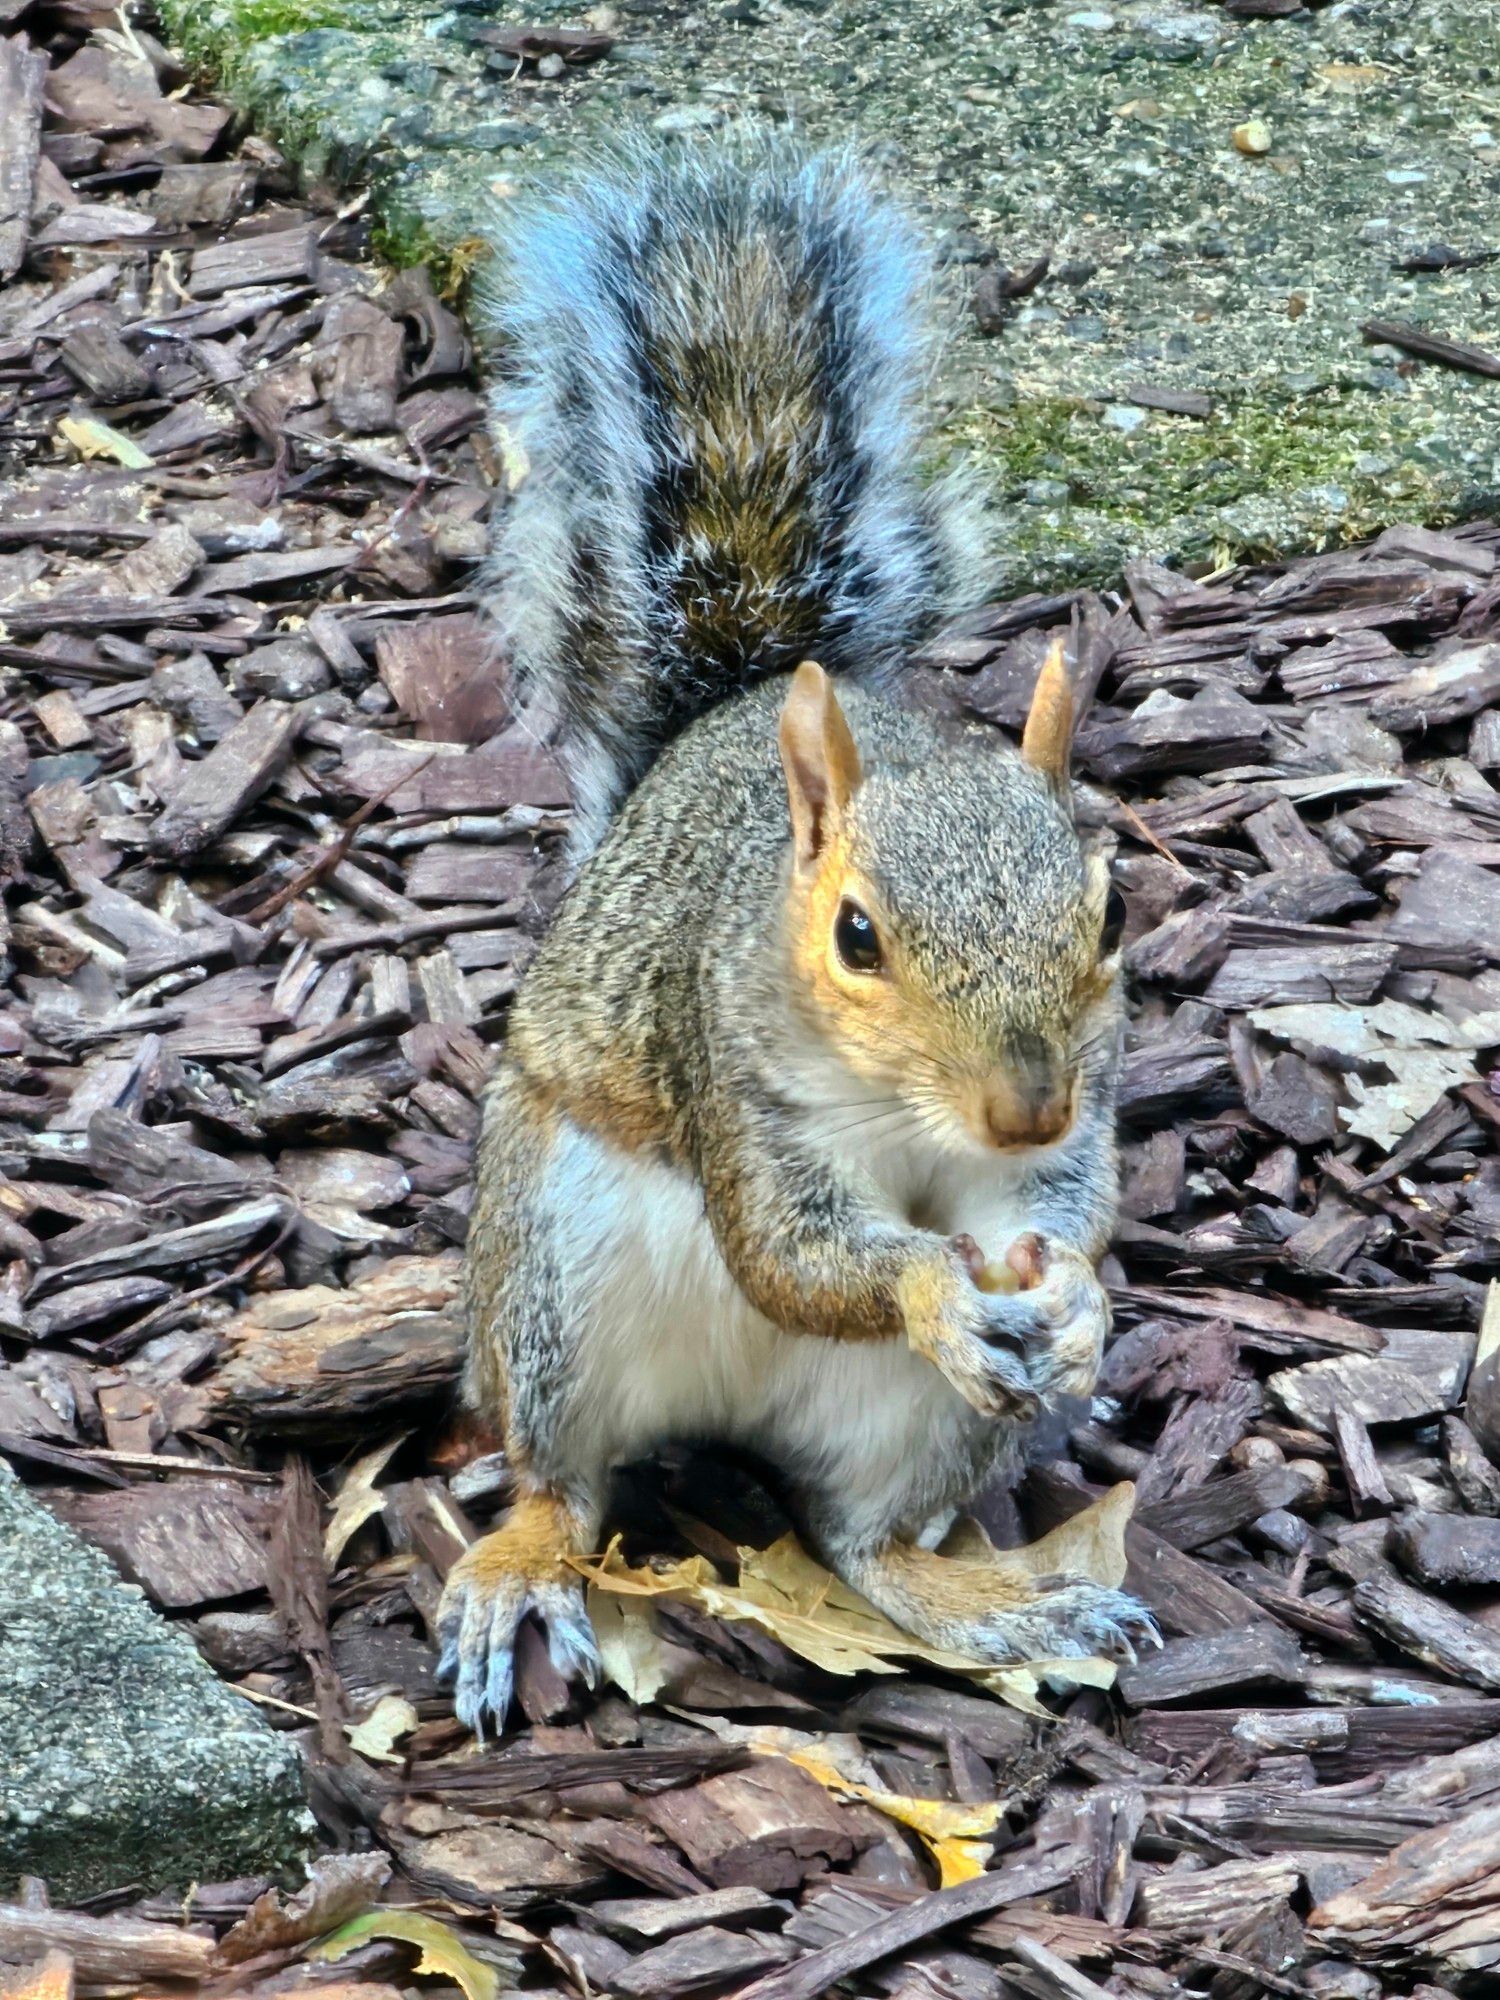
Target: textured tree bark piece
point(185, 1541)
point(1430, 1631)
point(490, 1865)
point(629, 1850)
point(1041, 1973)
point(106, 1951)
point(1449, 1550)
point(490, 1782)
point(1268, 1324)
point(100, 362)
point(196, 1243)
point(270, 259)
point(1274, 1819)
point(769, 1826)
point(1192, 1442)
point(23, 73)
point(1277, 977)
point(1250, 1657)
point(1420, 1374)
point(1433, 1905)
point(324, 1359)
point(1221, 1507)
point(645, 1920)
point(1475, 1475)
point(591, 1960)
point(215, 791)
point(1362, 1473)
point(1433, 346)
point(903, 1710)
point(857, 1944)
point(298, 1582)
point(698, 1960)
point(1210, 1900)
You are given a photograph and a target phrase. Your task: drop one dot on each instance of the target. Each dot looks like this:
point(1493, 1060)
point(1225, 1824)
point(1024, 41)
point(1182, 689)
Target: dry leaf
point(1426, 1055)
point(785, 1592)
point(441, 1951)
point(1489, 1325)
point(630, 1647)
point(92, 439)
point(956, 1836)
point(391, 1718)
point(358, 1500)
point(513, 460)
point(338, 1887)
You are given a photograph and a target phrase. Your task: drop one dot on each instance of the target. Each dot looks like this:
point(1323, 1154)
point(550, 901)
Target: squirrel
point(833, 999)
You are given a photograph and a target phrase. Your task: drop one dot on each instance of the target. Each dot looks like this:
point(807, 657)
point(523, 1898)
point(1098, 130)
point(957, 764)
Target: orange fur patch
point(530, 1545)
point(1048, 735)
point(950, 1590)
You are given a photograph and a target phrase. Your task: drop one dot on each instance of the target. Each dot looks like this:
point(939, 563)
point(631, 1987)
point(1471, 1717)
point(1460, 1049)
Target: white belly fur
point(670, 1348)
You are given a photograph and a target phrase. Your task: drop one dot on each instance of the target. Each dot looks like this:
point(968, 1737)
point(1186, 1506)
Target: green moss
point(1327, 467)
point(254, 20)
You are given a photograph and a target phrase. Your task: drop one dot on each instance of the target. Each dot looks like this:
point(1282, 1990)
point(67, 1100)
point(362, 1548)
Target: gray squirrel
point(802, 1138)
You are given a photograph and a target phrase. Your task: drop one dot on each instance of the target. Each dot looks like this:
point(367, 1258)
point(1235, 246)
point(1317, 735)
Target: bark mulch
point(275, 848)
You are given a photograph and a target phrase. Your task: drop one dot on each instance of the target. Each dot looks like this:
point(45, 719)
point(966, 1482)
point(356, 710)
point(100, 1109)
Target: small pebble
point(1252, 1451)
point(1126, 417)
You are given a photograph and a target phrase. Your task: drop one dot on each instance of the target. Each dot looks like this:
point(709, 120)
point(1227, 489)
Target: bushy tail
point(715, 362)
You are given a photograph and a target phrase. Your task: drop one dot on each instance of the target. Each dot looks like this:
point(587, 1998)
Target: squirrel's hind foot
point(1079, 1620)
point(520, 1568)
point(987, 1612)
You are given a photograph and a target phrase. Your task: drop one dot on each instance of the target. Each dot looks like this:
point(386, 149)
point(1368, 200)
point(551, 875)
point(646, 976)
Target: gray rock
point(125, 1760)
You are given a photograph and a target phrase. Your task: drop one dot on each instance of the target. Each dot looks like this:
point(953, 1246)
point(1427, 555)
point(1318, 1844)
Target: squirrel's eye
point(1114, 924)
point(855, 938)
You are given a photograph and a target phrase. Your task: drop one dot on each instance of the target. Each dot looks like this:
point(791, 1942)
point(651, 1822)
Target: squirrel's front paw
point(968, 1334)
point(1068, 1313)
point(490, 1590)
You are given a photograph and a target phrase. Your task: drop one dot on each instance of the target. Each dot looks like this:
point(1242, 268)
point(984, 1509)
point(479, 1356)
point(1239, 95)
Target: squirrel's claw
point(1078, 1620)
point(477, 1628)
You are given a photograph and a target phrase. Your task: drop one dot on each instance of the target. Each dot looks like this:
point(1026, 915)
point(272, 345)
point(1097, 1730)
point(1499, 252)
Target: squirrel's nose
point(1022, 1112)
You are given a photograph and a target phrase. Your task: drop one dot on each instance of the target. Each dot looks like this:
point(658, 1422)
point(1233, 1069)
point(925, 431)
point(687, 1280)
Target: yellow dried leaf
point(391, 1718)
point(1091, 1544)
point(784, 1591)
point(92, 439)
point(441, 1951)
point(514, 462)
point(1489, 1325)
point(953, 1834)
point(630, 1648)
point(358, 1499)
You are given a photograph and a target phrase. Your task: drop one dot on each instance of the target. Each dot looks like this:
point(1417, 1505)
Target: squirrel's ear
point(819, 758)
point(1049, 725)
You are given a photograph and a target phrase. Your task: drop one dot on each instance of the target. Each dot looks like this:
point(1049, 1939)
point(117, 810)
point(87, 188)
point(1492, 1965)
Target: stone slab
point(1101, 134)
point(125, 1760)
